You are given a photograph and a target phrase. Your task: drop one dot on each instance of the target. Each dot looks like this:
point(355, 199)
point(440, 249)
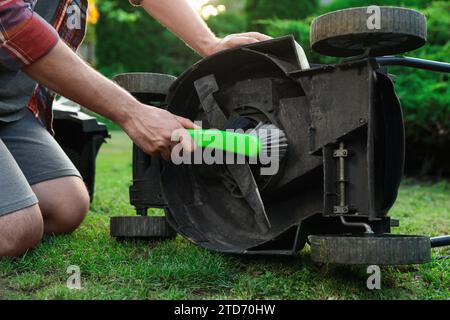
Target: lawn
point(177, 269)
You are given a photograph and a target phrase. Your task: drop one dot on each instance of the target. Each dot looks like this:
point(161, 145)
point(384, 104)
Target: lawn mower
point(343, 164)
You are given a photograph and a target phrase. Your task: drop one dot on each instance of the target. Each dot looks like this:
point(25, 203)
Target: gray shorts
point(28, 155)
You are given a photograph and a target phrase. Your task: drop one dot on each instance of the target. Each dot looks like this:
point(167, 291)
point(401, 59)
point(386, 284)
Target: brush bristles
point(273, 140)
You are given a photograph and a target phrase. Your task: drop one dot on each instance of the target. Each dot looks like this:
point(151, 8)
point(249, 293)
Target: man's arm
point(50, 62)
point(150, 128)
point(27, 41)
point(180, 18)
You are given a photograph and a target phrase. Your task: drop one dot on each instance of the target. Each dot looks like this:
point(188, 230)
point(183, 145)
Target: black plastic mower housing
point(320, 109)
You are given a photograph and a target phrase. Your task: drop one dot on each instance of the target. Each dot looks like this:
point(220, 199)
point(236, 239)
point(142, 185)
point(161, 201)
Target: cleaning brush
point(273, 140)
point(237, 143)
point(264, 139)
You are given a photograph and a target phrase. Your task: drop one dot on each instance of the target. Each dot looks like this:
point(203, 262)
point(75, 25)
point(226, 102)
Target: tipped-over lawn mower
point(346, 146)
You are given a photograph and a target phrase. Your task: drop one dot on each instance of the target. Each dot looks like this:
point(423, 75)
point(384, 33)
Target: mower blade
point(205, 88)
point(243, 177)
point(241, 173)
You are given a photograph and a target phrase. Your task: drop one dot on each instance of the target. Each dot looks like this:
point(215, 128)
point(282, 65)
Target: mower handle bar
point(440, 241)
point(414, 63)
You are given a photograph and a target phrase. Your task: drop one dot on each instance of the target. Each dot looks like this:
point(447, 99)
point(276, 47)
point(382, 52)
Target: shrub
point(342, 4)
point(258, 10)
point(128, 40)
point(227, 23)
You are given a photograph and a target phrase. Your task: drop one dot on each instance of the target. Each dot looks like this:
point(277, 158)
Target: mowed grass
point(176, 269)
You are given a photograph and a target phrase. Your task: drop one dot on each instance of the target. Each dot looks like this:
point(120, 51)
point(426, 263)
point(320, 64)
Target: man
point(40, 189)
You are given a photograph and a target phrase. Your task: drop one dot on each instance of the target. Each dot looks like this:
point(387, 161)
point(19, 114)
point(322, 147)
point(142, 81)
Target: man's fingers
point(166, 154)
point(186, 123)
point(156, 155)
point(240, 40)
point(183, 137)
point(187, 142)
point(258, 36)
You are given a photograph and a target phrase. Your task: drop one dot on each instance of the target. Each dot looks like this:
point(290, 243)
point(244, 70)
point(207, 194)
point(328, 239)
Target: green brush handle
point(237, 143)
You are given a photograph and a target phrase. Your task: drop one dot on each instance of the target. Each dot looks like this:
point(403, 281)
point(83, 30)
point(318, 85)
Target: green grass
point(177, 269)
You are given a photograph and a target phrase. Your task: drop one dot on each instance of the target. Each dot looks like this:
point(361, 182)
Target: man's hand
point(235, 40)
point(157, 131)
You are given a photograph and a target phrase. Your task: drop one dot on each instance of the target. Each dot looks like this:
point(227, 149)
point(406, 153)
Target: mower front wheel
point(384, 249)
point(348, 32)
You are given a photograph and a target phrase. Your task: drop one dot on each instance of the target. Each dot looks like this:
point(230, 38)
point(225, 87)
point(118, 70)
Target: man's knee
point(69, 217)
point(64, 204)
point(20, 231)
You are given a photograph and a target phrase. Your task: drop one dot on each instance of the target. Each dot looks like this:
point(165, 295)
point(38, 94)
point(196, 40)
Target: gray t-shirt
point(16, 88)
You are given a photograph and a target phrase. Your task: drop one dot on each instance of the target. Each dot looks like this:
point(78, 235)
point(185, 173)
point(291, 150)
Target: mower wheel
point(141, 227)
point(365, 30)
point(383, 249)
point(143, 82)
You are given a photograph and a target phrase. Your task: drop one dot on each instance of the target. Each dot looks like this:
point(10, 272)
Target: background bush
point(141, 44)
point(281, 9)
point(129, 41)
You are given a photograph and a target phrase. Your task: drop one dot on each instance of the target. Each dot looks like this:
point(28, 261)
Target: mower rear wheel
point(141, 227)
point(145, 82)
point(383, 249)
point(357, 31)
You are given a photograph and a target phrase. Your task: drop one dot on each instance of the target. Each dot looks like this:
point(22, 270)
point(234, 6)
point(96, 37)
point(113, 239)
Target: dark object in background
point(81, 136)
point(344, 163)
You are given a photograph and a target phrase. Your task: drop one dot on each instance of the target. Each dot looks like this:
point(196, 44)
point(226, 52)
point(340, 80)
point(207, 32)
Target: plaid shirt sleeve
point(24, 35)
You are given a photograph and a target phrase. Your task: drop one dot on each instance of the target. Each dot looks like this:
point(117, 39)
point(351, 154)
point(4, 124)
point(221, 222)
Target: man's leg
point(63, 202)
point(20, 231)
point(57, 184)
point(21, 223)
